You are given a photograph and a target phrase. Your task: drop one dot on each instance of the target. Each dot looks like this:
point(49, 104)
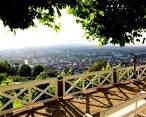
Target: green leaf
point(59, 24)
point(77, 21)
point(101, 13)
point(99, 44)
point(84, 35)
point(56, 28)
point(91, 16)
point(87, 37)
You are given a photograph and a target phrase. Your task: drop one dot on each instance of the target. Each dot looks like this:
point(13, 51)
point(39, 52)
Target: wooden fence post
point(60, 87)
point(115, 75)
point(134, 65)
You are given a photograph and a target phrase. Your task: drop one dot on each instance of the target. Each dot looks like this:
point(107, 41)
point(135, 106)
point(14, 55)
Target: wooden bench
point(127, 108)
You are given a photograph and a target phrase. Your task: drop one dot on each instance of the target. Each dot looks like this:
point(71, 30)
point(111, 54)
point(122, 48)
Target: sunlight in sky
point(70, 33)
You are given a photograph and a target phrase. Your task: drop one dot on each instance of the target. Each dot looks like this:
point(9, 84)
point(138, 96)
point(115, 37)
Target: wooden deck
point(90, 102)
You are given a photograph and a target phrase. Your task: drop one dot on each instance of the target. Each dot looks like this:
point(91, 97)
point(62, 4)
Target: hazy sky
point(70, 33)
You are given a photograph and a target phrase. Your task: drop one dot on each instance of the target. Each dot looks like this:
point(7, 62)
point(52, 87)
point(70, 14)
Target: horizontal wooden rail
point(127, 108)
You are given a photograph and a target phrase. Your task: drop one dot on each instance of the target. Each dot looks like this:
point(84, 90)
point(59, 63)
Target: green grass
point(17, 104)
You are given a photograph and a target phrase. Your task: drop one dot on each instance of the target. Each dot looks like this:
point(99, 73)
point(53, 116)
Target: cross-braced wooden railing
point(35, 92)
point(81, 82)
point(128, 72)
point(124, 74)
point(141, 71)
point(78, 83)
point(27, 94)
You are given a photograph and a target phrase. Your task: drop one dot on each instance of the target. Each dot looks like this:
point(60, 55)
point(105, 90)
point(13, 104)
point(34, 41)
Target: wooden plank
point(26, 106)
point(125, 68)
point(86, 74)
point(29, 94)
point(122, 105)
point(26, 84)
point(129, 110)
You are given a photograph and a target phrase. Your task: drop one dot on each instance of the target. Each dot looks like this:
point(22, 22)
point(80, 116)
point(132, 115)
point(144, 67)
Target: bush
point(25, 70)
point(37, 70)
point(3, 76)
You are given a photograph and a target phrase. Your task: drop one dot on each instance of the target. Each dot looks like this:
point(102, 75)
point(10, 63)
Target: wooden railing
point(27, 94)
point(141, 71)
point(35, 92)
point(78, 83)
point(126, 108)
point(124, 74)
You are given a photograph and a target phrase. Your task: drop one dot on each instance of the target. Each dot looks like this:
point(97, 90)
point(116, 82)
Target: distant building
point(26, 62)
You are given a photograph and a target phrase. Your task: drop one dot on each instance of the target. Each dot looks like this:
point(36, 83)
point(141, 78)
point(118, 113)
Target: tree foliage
point(42, 75)
point(3, 67)
point(52, 73)
point(3, 76)
point(12, 71)
point(99, 65)
point(111, 21)
point(25, 70)
point(37, 70)
point(66, 72)
point(21, 13)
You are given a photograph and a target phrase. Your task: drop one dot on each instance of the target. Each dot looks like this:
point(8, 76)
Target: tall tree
point(37, 70)
point(25, 70)
point(3, 67)
point(12, 71)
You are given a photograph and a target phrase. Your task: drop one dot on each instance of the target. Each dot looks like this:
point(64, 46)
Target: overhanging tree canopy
point(111, 21)
point(21, 13)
